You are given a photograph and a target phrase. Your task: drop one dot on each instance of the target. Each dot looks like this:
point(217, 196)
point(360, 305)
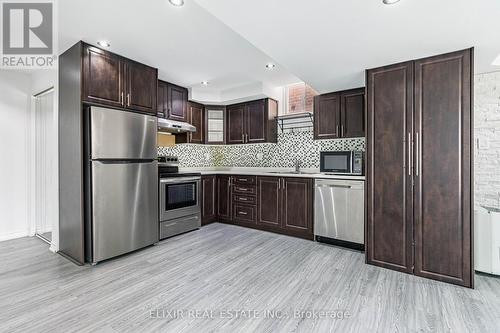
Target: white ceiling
point(326, 43)
point(329, 43)
point(187, 44)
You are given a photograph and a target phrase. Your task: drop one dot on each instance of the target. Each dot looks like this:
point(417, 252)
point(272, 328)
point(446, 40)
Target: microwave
point(342, 162)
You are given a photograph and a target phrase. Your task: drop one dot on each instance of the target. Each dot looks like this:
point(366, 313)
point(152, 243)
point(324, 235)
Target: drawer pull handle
point(243, 213)
point(243, 180)
point(242, 189)
point(243, 199)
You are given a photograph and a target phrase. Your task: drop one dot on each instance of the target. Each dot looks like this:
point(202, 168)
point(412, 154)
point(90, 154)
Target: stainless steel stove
point(180, 198)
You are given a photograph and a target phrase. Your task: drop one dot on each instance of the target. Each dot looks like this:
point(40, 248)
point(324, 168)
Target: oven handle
point(179, 180)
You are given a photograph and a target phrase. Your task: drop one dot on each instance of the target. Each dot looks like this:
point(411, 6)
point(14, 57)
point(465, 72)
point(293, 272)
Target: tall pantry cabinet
point(419, 167)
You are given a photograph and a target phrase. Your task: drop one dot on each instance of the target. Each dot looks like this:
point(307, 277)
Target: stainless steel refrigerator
point(122, 199)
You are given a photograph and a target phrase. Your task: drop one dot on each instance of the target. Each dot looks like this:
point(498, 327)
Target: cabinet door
point(269, 201)
point(176, 102)
point(195, 118)
point(443, 175)
point(352, 106)
point(209, 199)
point(224, 197)
point(297, 205)
point(327, 116)
point(103, 77)
point(256, 122)
point(141, 87)
point(389, 204)
point(161, 105)
point(235, 123)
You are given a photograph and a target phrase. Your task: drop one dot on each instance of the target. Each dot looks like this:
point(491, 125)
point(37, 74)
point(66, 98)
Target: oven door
point(179, 197)
point(336, 162)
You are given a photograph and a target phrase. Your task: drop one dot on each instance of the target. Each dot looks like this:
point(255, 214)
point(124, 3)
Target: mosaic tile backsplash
point(290, 147)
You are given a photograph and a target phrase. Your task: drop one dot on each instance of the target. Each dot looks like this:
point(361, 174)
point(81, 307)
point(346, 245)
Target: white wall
point(487, 139)
point(42, 80)
point(14, 117)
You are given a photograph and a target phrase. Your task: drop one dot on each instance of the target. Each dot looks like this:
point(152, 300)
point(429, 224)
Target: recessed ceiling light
point(270, 66)
point(390, 2)
point(177, 3)
point(103, 43)
point(205, 83)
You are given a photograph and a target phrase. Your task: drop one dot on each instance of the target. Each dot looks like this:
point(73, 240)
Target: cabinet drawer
point(244, 180)
point(244, 213)
point(243, 189)
point(245, 199)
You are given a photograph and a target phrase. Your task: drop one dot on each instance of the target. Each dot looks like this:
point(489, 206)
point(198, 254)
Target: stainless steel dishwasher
point(339, 212)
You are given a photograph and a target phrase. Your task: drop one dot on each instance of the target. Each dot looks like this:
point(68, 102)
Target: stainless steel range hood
point(172, 126)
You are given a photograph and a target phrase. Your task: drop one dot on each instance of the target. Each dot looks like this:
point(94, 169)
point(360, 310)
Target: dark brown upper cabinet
point(419, 167)
point(172, 101)
point(352, 113)
point(103, 77)
point(141, 87)
point(161, 110)
point(340, 114)
point(327, 116)
point(112, 80)
point(196, 118)
point(252, 122)
point(177, 98)
point(235, 123)
point(255, 122)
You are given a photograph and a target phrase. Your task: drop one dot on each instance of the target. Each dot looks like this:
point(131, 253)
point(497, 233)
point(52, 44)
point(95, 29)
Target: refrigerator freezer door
point(124, 207)
point(122, 135)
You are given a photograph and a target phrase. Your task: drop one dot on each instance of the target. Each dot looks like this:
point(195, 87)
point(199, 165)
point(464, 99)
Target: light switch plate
point(483, 143)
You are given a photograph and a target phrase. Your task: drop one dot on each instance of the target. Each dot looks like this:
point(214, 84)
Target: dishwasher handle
point(332, 185)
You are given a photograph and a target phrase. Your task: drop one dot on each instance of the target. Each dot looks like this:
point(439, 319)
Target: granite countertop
point(276, 172)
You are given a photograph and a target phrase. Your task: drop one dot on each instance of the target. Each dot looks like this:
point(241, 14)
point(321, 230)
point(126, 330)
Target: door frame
point(32, 166)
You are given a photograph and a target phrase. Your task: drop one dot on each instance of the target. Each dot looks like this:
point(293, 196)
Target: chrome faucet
point(297, 166)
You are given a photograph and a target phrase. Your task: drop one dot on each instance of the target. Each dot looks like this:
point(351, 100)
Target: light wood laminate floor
point(227, 268)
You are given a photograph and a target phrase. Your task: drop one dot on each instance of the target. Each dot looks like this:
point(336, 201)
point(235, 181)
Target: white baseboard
point(53, 248)
point(13, 235)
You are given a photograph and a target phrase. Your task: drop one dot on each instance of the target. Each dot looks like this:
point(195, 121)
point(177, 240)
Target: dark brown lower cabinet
point(285, 205)
point(224, 198)
point(297, 198)
point(243, 213)
point(244, 208)
point(419, 167)
point(276, 204)
point(269, 201)
point(208, 199)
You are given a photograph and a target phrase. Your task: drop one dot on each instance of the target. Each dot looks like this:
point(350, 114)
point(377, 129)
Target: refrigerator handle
point(109, 161)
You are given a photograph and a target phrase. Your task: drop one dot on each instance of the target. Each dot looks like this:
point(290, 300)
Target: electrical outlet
point(483, 143)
